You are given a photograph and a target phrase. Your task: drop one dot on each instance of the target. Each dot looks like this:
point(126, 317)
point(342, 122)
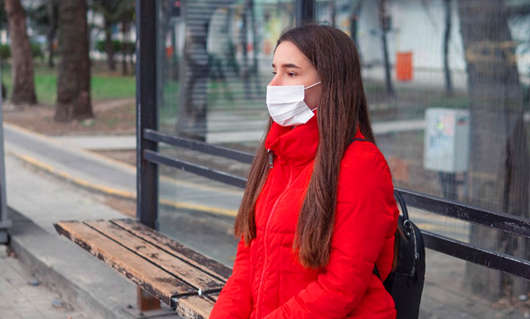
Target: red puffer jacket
point(269, 282)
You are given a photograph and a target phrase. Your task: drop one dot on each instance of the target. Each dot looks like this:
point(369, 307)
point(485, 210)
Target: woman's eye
point(274, 72)
point(292, 74)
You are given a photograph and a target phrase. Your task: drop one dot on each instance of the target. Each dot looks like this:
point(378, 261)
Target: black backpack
point(405, 281)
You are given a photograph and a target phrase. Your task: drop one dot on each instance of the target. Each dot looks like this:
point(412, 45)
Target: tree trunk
point(354, 26)
point(73, 82)
point(384, 21)
point(195, 69)
point(244, 47)
point(23, 74)
point(174, 53)
point(333, 13)
point(231, 60)
point(445, 45)
point(109, 46)
point(192, 120)
point(53, 13)
point(124, 48)
point(255, 47)
point(163, 66)
point(499, 163)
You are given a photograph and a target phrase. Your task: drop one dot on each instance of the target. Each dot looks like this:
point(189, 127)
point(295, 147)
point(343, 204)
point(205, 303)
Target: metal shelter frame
point(5, 223)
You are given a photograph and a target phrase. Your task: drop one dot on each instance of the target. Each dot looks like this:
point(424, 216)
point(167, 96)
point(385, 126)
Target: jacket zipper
point(271, 157)
point(258, 309)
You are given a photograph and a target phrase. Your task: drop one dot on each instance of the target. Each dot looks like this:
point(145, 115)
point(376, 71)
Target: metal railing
point(462, 250)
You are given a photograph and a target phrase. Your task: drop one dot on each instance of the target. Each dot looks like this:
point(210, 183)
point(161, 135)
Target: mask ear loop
point(316, 107)
point(312, 85)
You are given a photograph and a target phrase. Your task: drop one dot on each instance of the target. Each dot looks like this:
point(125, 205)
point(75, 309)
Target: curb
point(105, 190)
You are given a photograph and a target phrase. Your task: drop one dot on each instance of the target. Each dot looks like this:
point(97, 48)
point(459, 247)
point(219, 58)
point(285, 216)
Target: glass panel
point(214, 62)
point(198, 212)
point(447, 292)
point(450, 103)
point(448, 89)
point(447, 84)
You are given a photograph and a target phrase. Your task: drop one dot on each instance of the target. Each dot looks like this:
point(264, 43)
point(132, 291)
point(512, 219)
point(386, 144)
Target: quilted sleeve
point(366, 217)
point(234, 301)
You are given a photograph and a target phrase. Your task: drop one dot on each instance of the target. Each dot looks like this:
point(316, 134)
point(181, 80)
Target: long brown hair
point(342, 109)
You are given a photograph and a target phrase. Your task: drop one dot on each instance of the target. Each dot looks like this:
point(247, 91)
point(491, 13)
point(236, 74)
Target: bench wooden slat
point(157, 264)
point(194, 307)
point(174, 265)
point(148, 276)
point(208, 265)
point(214, 296)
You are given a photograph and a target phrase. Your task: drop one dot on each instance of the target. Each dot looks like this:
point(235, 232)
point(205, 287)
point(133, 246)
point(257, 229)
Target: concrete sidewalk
point(37, 201)
point(24, 297)
point(99, 143)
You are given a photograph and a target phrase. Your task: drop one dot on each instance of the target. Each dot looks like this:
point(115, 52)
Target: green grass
point(103, 86)
point(113, 87)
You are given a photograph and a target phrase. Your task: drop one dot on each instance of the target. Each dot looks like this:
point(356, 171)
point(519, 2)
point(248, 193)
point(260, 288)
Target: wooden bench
point(178, 276)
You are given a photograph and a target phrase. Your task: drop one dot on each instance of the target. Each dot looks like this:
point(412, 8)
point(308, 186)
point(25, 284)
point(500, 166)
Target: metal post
point(4, 222)
point(146, 112)
point(146, 118)
point(305, 12)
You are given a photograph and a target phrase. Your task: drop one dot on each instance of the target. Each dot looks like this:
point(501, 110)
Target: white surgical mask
point(286, 104)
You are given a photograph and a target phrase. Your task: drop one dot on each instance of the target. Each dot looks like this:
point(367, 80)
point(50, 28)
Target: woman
point(318, 212)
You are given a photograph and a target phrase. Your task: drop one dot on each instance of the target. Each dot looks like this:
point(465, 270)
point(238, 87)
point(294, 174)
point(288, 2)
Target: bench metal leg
point(146, 301)
point(4, 236)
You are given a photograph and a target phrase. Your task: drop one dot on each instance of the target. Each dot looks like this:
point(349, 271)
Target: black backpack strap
point(376, 272)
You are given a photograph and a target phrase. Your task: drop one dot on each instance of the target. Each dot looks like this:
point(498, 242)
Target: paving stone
point(3, 251)
point(21, 300)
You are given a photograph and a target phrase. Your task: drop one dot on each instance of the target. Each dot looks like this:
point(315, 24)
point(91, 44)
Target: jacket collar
point(296, 145)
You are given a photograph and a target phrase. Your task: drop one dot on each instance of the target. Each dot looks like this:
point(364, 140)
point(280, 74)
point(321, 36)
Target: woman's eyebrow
point(287, 65)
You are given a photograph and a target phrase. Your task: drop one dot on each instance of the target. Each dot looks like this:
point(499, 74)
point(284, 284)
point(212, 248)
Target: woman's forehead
point(287, 54)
